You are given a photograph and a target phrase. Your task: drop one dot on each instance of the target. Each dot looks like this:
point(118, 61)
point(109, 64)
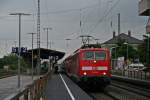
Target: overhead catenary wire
point(91, 29)
point(70, 10)
point(47, 13)
point(99, 21)
point(81, 17)
point(105, 15)
point(57, 12)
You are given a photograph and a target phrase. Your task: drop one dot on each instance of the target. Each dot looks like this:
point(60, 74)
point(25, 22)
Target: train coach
point(89, 65)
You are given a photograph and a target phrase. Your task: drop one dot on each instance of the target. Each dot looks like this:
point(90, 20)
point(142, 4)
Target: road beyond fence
point(9, 90)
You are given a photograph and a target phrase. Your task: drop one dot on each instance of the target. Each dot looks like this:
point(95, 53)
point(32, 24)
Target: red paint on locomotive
point(89, 63)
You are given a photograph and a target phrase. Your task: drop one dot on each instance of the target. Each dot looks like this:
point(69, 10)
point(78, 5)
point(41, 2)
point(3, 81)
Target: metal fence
point(133, 74)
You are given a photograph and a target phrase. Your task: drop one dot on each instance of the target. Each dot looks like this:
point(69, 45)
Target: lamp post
point(111, 51)
point(148, 49)
point(115, 58)
point(32, 54)
point(126, 43)
point(127, 50)
point(19, 49)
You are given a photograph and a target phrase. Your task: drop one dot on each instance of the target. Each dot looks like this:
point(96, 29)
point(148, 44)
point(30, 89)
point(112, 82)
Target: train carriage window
point(100, 55)
point(88, 55)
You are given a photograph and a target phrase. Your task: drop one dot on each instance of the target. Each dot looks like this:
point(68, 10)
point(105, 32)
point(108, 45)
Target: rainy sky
point(98, 17)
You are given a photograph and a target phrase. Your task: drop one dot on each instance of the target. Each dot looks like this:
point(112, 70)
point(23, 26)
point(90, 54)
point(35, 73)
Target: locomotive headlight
point(84, 73)
point(94, 61)
point(104, 73)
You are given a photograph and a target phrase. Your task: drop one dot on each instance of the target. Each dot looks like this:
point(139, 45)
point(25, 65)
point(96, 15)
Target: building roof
point(45, 53)
point(125, 37)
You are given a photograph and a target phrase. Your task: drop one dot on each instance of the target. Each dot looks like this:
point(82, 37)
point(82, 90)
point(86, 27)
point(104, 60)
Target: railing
point(133, 74)
point(33, 91)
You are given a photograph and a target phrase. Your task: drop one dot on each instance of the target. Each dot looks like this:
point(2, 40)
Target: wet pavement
point(8, 85)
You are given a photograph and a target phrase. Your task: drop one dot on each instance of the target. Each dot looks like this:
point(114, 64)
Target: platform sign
point(57, 57)
point(23, 49)
point(16, 50)
point(120, 63)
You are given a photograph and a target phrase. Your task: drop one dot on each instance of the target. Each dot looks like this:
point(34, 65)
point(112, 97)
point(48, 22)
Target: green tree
point(124, 50)
point(144, 52)
point(1, 63)
point(12, 61)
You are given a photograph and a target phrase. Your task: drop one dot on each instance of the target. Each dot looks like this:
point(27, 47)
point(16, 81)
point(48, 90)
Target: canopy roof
point(44, 53)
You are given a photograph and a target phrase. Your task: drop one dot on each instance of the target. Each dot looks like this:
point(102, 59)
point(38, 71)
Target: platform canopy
point(44, 53)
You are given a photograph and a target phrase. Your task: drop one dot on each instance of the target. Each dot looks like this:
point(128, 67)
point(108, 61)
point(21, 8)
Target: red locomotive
point(90, 65)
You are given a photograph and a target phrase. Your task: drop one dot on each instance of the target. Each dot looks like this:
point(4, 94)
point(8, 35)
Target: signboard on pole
point(16, 50)
point(120, 63)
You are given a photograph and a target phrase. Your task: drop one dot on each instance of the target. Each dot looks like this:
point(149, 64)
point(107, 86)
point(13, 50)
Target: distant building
point(112, 43)
point(125, 37)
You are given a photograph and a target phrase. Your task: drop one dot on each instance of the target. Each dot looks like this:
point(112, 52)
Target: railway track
point(97, 93)
point(103, 96)
point(141, 91)
point(121, 91)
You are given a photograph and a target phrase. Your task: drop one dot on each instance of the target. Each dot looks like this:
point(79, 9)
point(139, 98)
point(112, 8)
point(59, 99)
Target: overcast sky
point(64, 16)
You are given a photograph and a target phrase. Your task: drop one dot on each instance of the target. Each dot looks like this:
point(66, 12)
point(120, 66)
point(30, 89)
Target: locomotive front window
point(88, 55)
point(100, 55)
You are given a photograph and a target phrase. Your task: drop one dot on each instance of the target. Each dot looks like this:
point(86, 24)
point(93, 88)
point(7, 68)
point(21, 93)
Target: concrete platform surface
point(60, 87)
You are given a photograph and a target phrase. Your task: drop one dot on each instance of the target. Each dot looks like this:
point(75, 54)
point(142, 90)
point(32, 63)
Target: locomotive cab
point(89, 65)
point(94, 65)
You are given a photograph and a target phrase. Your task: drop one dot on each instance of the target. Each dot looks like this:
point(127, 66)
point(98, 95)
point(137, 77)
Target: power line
point(105, 15)
point(69, 10)
point(101, 19)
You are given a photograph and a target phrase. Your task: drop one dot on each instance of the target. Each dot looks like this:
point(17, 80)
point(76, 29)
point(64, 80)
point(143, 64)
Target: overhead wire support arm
point(85, 39)
point(19, 46)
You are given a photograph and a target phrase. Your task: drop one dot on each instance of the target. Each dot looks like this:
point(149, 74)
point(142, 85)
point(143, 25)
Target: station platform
point(60, 87)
